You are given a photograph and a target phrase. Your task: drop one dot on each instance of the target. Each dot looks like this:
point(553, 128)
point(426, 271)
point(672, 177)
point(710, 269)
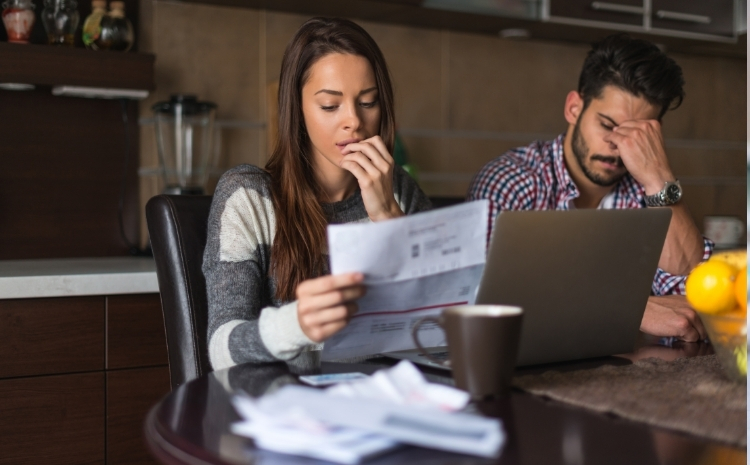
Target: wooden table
point(191, 425)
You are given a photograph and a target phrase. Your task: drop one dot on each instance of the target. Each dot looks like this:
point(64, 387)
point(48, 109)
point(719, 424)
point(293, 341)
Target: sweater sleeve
point(243, 325)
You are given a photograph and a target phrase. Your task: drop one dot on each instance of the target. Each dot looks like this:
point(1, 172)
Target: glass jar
point(60, 19)
point(92, 27)
point(117, 32)
point(18, 17)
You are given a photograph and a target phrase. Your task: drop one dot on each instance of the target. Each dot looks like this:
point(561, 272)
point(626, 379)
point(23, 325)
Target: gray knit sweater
point(246, 323)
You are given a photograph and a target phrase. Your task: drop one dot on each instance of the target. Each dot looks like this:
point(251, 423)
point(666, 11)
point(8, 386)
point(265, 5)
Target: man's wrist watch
point(669, 195)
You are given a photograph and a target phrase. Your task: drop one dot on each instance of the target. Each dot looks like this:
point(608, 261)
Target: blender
point(184, 139)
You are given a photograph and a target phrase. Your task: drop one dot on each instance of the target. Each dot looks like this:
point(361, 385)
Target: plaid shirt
point(535, 178)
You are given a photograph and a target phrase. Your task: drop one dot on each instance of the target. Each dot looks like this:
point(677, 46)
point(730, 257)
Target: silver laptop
point(582, 277)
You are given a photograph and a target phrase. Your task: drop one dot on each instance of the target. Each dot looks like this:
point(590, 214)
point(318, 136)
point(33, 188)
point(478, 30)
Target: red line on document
point(394, 312)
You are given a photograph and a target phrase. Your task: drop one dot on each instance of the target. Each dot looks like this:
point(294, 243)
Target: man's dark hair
point(634, 65)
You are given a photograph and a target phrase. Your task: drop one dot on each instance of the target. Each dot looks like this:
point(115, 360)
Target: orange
point(740, 289)
point(710, 287)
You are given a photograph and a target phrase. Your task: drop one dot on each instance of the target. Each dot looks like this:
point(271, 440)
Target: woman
point(265, 261)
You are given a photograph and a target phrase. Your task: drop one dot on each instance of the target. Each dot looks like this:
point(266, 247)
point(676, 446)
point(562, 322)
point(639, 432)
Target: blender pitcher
point(184, 133)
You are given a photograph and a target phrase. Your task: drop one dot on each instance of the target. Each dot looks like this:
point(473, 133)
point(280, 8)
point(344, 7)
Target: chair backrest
point(177, 225)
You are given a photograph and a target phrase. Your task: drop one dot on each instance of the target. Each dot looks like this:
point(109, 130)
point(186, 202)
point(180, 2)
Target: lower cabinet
point(130, 395)
point(78, 376)
point(52, 419)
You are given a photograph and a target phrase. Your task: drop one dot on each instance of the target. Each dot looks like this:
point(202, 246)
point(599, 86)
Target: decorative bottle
point(18, 17)
point(60, 19)
point(92, 27)
point(117, 32)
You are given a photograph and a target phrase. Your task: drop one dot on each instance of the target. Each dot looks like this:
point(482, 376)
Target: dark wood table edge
point(162, 449)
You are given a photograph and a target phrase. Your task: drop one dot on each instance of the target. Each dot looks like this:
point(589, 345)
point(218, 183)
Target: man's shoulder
point(521, 165)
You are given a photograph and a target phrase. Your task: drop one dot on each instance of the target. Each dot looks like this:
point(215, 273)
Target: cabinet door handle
point(686, 17)
point(617, 8)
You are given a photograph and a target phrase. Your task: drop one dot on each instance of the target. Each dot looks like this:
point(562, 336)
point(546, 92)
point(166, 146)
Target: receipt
point(414, 266)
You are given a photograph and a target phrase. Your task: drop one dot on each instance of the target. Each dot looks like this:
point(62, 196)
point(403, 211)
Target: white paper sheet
point(414, 266)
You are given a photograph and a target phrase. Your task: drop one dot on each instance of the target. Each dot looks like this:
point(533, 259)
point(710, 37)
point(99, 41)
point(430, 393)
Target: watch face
point(673, 193)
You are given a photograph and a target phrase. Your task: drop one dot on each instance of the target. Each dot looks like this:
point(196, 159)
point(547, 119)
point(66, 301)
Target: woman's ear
point(573, 107)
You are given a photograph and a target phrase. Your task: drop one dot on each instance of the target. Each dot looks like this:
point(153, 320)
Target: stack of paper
point(352, 422)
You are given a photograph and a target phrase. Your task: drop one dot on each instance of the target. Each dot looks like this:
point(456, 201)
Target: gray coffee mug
point(483, 343)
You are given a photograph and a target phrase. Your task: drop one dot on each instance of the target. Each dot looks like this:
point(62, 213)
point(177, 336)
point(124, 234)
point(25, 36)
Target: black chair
point(177, 225)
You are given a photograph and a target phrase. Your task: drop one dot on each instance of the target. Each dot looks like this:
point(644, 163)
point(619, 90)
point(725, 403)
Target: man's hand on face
point(640, 145)
point(672, 316)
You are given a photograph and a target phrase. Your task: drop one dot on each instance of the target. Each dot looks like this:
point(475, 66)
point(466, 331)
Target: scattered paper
point(351, 422)
point(414, 266)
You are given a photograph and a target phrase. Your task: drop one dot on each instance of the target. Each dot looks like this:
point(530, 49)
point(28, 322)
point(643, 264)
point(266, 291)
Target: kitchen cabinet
point(553, 20)
point(78, 373)
point(697, 19)
point(58, 403)
point(695, 16)
point(615, 12)
point(52, 419)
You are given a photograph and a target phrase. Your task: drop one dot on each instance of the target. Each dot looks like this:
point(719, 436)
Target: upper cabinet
point(617, 12)
point(526, 9)
point(714, 17)
point(713, 20)
point(678, 25)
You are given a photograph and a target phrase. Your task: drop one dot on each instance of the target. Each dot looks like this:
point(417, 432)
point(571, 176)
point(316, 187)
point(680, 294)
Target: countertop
point(20, 279)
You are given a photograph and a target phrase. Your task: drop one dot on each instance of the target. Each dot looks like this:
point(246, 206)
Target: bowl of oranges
point(717, 290)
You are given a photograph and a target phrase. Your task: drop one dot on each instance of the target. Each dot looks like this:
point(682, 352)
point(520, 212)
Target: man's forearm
point(683, 248)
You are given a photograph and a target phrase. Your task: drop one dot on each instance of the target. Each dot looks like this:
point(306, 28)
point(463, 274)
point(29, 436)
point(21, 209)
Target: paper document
point(414, 266)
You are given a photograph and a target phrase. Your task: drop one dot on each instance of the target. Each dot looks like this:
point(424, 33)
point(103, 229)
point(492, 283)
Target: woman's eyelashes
point(371, 104)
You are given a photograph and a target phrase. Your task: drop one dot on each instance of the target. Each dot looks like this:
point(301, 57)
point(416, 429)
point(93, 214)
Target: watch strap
point(660, 198)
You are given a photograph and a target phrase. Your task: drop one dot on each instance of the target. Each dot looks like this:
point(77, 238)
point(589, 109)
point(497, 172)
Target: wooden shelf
point(46, 65)
point(410, 13)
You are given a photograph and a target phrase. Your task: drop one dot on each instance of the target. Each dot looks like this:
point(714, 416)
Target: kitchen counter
point(21, 279)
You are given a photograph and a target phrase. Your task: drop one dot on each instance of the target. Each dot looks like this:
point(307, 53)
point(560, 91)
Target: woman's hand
point(372, 165)
point(325, 305)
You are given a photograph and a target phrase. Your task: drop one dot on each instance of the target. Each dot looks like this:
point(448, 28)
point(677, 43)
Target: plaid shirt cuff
point(669, 284)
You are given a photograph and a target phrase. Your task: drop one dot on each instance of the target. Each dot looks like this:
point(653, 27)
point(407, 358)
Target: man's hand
point(671, 315)
point(640, 145)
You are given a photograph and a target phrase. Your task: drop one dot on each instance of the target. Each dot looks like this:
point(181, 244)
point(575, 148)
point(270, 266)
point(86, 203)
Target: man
point(612, 156)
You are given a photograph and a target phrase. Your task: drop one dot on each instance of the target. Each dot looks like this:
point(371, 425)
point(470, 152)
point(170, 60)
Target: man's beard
point(581, 149)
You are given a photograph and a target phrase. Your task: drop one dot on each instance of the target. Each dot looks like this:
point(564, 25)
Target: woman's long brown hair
point(297, 251)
